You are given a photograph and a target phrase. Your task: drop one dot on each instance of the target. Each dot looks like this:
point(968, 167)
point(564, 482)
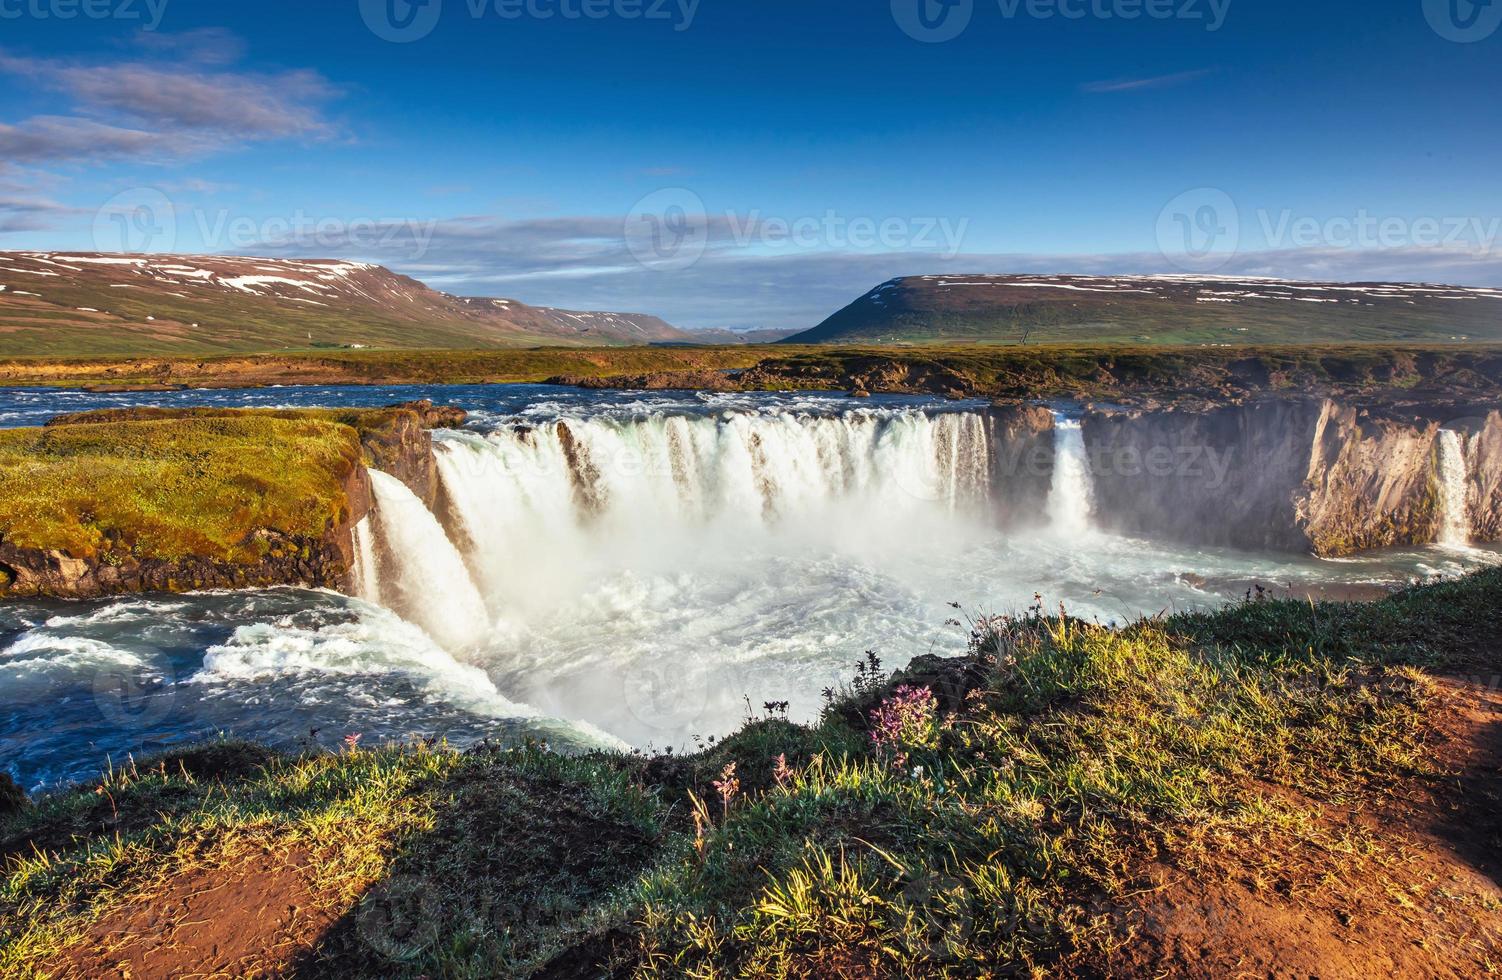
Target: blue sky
point(787, 155)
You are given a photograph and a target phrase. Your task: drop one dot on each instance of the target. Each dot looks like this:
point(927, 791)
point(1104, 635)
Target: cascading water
point(1071, 497)
point(367, 573)
point(1455, 514)
point(421, 574)
point(541, 505)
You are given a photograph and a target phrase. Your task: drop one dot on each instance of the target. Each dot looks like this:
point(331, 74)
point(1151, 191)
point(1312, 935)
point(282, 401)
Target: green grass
point(996, 834)
point(174, 487)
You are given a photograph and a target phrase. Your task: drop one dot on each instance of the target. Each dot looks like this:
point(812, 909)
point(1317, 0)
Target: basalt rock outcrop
point(401, 444)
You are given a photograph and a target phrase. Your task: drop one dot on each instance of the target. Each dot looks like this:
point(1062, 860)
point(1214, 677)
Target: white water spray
point(422, 576)
point(1455, 512)
point(1071, 499)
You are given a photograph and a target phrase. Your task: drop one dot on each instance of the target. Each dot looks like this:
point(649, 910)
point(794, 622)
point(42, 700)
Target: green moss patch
point(172, 488)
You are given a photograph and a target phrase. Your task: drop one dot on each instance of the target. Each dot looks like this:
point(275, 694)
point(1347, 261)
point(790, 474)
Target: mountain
point(93, 304)
point(1159, 310)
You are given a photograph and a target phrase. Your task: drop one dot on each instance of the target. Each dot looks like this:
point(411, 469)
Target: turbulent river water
point(609, 569)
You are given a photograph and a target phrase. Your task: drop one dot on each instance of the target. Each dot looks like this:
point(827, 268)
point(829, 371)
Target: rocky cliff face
point(1484, 463)
point(1372, 483)
point(1224, 478)
point(1288, 474)
point(403, 447)
point(1022, 459)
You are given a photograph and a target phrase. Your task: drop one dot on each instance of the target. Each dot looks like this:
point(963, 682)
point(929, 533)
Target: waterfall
point(421, 575)
point(1455, 513)
point(752, 469)
point(366, 571)
point(1071, 497)
point(537, 505)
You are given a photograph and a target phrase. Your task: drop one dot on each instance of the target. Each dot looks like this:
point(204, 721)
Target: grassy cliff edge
point(1275, 787)
point(151, 499)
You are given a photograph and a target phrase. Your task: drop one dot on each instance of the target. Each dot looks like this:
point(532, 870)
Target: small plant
point(781, 773)
point(869, 677)
point(728, 786)
point(907, 720)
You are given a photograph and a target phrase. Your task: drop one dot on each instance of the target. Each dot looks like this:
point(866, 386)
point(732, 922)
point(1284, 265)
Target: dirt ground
point(1430, 907)
point(1428, 903)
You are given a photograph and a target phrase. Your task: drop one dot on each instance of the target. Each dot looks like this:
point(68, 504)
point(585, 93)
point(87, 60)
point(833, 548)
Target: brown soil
point(1428, 905)
point(249, 919)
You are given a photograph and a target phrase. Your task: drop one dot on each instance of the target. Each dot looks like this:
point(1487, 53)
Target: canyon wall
point(1290, 474)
